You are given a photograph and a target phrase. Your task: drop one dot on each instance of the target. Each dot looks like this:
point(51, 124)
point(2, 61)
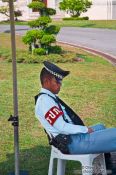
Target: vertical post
point(15, 99)
point(107, 9)
point(111, 10)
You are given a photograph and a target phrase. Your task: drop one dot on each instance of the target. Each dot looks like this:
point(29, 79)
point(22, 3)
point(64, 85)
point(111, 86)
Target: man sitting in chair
point(65, 129)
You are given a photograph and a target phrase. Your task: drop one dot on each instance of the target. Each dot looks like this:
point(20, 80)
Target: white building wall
point(55, 4)
point(22, 5)
point(100, 10)
point(51, 3)
point(3, 17)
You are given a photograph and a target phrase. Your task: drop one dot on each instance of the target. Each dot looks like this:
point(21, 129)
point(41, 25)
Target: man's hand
point(90, 130)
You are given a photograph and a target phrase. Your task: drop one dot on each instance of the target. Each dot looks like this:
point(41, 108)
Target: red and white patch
point(52, 115)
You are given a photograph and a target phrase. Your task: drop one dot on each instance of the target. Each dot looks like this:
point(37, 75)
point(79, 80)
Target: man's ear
point(46, 81)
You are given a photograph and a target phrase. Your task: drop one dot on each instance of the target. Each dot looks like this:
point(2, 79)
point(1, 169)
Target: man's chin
point(57, 92)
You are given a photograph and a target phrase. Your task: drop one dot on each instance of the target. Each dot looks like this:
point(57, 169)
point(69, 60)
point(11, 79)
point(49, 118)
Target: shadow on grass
point(35, 161)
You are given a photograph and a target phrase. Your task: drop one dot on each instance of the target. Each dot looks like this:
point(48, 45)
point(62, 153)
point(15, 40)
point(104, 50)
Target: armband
point(52, 115)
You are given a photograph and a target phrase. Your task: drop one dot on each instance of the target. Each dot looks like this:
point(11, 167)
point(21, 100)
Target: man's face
point(54, 85)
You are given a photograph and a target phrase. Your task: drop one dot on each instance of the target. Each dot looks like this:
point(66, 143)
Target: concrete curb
point(106, 56)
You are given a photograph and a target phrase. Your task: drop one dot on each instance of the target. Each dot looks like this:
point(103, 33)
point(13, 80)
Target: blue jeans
point(102, 140)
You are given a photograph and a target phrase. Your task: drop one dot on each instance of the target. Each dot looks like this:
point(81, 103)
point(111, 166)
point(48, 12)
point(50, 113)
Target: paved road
point(21, 30)
point(103, 40)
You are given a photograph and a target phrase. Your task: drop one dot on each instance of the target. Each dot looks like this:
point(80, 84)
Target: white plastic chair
point(85, 159)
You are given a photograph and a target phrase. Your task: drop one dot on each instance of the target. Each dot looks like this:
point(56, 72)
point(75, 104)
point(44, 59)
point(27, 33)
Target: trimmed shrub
point(25, 57)
point(52, 29)
point(86, 18)
point(50, 11)
point(48, 39)
point(17, 13)
point(55, 49)
point(39, 51)
point(76, 18)
point(36, 5)
point(32, 35)
point(42, 22)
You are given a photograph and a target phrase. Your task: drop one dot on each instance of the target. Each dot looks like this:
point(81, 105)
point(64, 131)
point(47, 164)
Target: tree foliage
point(17, 13)
point(5, 11)
point(52, 29)
point(75, 7)
point(49, 11)
point(41, 8)
point(47, 40)
point(32, 36)
point(36, 5)
point(41, 22)
point(41, 38)
point(39, 51)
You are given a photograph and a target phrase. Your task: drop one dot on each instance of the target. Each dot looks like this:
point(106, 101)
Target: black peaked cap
point(55, 70)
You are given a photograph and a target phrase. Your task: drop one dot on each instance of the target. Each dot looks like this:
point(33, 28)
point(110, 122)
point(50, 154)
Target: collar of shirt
point(43, 90)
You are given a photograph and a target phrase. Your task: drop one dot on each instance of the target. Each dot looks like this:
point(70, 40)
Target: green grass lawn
point(110, 24)
point(90, 90)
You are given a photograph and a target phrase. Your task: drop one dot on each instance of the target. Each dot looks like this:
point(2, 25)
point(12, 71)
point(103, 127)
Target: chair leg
point(61, 167)
point(51, 166)
point(87, 167)
point(103, 165)
point(99, 165)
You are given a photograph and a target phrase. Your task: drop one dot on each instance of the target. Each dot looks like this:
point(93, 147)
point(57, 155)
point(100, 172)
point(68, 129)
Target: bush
point(17, 13)
point(52, 29)
point(25, 57)
point(86, 18)
point(55, 49)
point(50, 11)
point(36, 5)
point(47, 39)
point(56, 58)
point(39, 51)
point(76, 18)
point(32, 35)
point(40, 22)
